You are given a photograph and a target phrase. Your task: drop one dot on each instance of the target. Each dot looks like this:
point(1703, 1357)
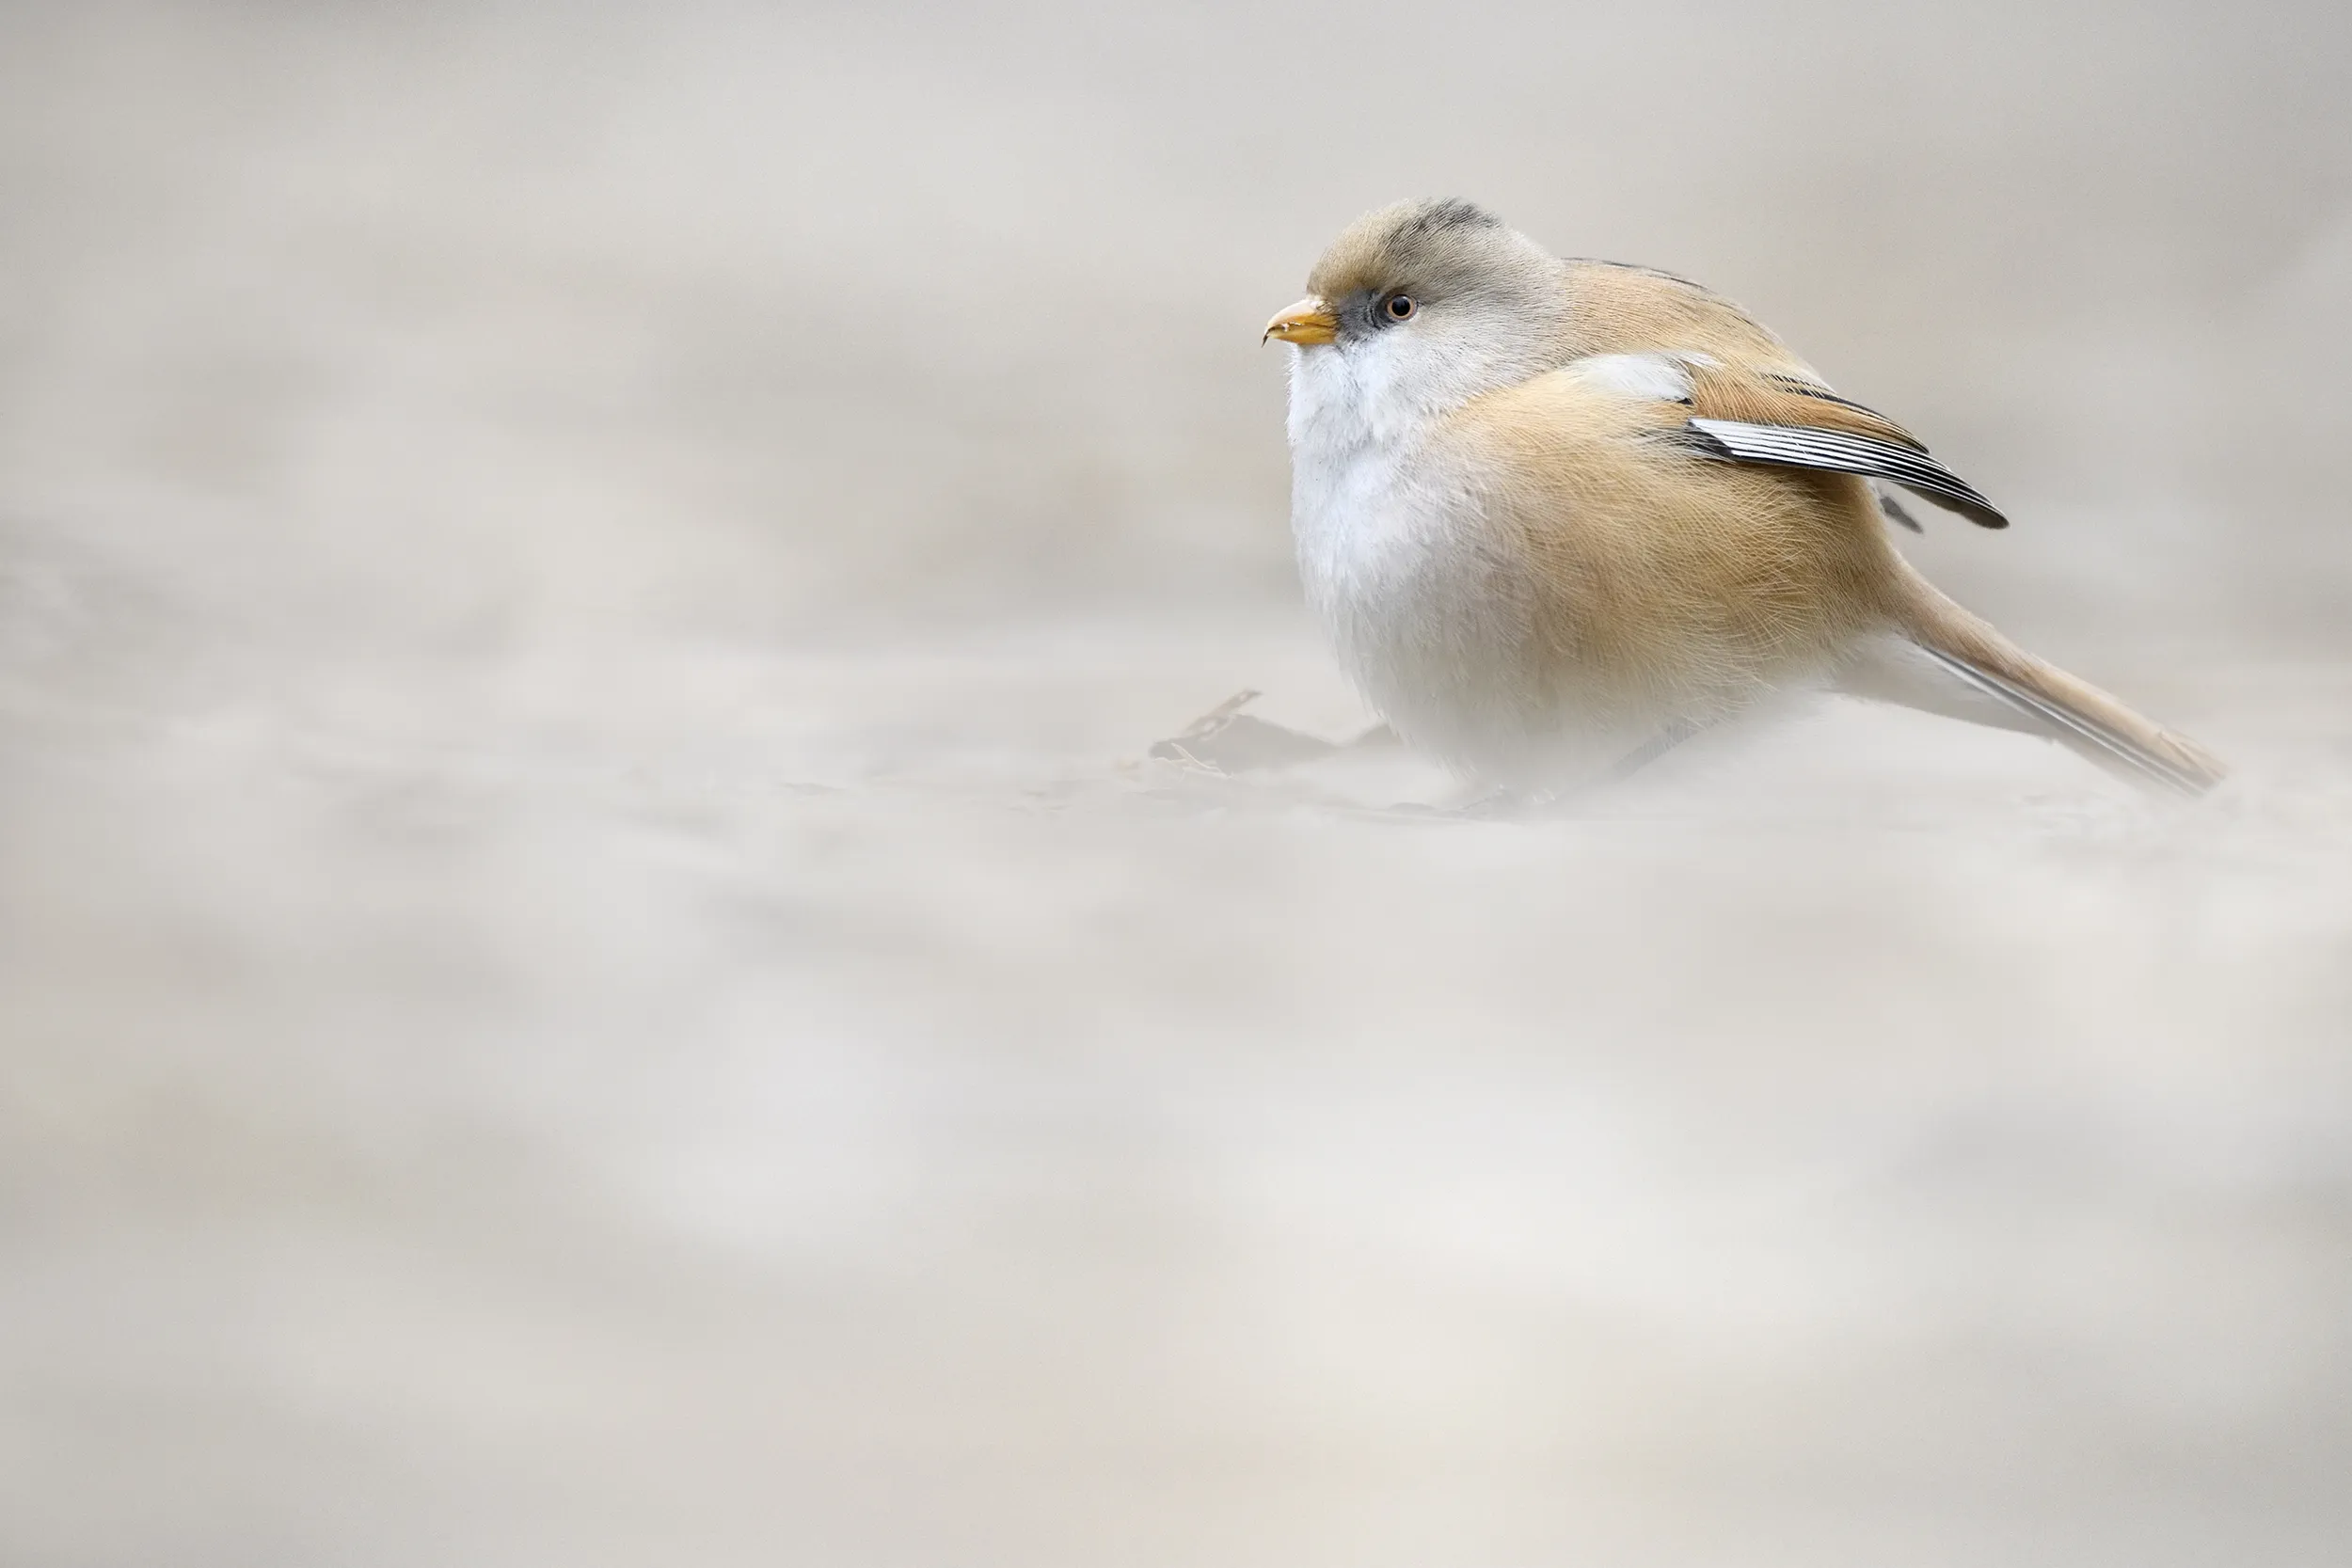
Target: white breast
point(1426, 612)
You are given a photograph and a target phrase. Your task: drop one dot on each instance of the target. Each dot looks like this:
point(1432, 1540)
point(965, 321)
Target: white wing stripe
point(1807, 447)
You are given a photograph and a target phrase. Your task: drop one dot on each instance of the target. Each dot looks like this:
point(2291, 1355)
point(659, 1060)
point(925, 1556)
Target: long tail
point(2042, 698)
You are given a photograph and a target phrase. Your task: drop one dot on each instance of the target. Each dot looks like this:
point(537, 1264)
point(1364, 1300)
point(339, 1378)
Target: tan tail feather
point(2075, 714)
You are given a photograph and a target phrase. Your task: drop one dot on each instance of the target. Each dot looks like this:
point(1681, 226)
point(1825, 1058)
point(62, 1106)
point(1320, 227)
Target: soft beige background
point(589, 974)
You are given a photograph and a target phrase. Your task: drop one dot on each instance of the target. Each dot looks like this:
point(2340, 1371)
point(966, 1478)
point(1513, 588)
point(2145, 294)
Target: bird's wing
point(1617, 308)
point(1752, 400)
point(1783, 417)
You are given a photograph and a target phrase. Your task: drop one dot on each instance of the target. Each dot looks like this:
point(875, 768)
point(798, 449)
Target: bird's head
point(1422, 306)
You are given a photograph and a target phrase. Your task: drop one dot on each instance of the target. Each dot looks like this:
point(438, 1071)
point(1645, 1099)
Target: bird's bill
point(1310, 321)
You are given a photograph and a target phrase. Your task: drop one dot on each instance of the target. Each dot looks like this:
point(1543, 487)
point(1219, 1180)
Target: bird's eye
point(1401, 308)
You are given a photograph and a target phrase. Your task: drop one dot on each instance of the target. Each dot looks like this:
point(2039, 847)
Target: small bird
point(1558, 515)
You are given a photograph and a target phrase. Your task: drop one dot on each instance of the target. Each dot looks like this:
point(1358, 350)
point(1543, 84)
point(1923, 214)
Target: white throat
point(1359, 422)
point(1381, 389)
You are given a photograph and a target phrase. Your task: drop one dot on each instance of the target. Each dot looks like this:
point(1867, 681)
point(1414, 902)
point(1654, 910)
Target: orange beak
point(1310, 321)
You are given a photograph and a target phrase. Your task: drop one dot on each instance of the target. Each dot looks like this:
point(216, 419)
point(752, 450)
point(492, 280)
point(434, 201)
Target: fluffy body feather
point(1547, 509)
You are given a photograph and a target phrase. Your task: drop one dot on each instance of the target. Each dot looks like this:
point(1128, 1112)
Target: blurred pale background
point(591, 973)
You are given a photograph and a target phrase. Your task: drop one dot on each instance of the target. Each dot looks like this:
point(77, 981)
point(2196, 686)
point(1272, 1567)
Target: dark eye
point(1401, 308)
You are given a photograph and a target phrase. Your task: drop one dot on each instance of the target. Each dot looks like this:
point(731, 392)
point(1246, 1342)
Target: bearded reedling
point(1557, 514)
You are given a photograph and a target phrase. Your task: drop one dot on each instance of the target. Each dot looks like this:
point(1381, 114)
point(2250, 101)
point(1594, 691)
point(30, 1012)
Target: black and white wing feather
point(1841, 451)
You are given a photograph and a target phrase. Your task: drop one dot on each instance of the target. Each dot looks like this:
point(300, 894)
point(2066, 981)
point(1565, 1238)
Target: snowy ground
point(841, 1108)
